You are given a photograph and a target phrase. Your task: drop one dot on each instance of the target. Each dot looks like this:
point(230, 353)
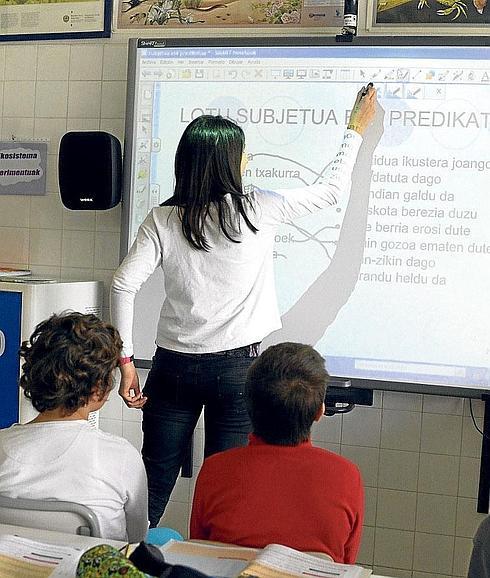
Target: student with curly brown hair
point(67, 373)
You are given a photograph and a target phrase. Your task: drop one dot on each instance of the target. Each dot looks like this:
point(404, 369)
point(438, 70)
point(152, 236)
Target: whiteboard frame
point(127, 205)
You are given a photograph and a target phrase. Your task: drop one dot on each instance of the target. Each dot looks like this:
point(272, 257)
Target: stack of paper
point(11, 272)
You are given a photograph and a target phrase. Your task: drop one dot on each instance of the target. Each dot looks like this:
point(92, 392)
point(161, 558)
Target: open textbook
point(25, 558)
point(274, 561)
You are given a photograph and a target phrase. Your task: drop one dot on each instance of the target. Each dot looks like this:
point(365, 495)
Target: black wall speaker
point(89, 170)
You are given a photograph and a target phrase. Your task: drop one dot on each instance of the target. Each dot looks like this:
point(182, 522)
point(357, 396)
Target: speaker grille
point(89, 168)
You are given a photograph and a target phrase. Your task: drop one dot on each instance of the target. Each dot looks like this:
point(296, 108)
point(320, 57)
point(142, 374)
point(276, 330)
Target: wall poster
point(54, 19)
point(434, 16)
point(160, 14)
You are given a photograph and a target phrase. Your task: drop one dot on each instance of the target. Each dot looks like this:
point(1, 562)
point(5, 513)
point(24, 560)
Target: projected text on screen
point(392, 283)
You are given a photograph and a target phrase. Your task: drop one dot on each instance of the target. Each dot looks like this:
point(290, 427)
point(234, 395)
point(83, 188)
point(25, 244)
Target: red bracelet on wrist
point(124, 360)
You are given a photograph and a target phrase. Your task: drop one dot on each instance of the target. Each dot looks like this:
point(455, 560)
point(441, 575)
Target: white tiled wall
point(45, 91)
point(419, 455)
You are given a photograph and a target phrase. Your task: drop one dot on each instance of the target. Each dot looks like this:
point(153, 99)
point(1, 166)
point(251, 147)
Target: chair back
point(68, 517)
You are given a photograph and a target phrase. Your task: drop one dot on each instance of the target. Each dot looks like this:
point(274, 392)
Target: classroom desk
point(84, 542)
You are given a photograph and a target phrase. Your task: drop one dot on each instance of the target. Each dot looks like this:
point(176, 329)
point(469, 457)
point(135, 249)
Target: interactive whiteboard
point(392, 285)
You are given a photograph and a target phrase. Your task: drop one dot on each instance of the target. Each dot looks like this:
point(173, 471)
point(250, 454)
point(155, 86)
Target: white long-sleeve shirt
point(224, 298)
point(71, 460)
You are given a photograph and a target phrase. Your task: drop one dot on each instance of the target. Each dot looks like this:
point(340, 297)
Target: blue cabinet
point(10, 320)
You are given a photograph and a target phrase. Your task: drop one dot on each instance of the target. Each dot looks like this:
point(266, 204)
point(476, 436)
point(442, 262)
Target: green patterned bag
point(104, 561)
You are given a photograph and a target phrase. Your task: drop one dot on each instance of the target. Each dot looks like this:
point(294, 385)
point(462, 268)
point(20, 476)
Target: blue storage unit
point(10, 331)
point(24, 303)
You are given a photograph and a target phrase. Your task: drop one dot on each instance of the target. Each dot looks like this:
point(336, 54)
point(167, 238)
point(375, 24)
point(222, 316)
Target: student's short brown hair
point(286, 386)
point(66, 357)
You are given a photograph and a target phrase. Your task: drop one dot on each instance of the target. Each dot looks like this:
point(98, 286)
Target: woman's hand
point(129, 388)
point(363, 110)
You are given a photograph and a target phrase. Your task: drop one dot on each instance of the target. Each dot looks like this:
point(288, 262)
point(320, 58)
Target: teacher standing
point(214, 243)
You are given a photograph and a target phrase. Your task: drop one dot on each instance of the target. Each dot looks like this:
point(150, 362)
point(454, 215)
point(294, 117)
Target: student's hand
point(129, 389)
point(363, 110)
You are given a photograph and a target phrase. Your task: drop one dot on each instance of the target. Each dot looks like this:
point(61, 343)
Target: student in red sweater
point(280, 489)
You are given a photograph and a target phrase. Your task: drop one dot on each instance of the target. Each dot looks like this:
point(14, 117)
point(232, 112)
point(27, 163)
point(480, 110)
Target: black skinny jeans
point(177, 387)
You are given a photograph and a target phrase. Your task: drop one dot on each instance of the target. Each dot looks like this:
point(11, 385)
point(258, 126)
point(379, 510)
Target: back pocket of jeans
point(163, 387)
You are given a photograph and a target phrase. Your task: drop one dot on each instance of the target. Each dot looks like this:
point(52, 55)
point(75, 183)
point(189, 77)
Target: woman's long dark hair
point(207, 167)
